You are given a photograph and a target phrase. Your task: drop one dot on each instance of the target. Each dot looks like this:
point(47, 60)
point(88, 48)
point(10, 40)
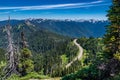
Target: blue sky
point(54, 9)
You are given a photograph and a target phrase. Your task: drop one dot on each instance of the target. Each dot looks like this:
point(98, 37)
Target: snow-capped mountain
point(72, 28)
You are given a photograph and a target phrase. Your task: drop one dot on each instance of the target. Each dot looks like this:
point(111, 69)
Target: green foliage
point(52, 51)
point(14, 77)
point(88, 72)
point(38, 63)
point(33, 75)
point(26, 64)
point(69, 77)
point(2, 61)
point(64, 59)
point(117, 56)
point(2, 54)
point(2, 65)
point(71, 51)
point(82, 74)
point(25, 53)
point(52, 56)
point(92, 59)
point(112, 37)
point(93, 49)
point(112, 41)
point(116, 77)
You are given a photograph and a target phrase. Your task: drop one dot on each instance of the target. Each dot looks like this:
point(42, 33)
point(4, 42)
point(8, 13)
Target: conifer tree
point(112, 37)
point(26, 64)
point(11, 55)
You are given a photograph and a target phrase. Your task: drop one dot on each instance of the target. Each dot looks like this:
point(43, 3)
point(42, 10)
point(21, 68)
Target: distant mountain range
point(71, 28)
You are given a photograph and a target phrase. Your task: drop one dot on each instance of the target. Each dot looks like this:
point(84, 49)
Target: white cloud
point(86, 6)
point(7, 12)
point(56, 6)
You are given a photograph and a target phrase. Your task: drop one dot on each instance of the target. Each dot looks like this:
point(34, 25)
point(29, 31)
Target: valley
point(60, 40)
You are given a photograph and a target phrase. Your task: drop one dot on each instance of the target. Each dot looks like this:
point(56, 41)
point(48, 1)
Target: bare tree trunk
point(11, 55)
point(24, 43)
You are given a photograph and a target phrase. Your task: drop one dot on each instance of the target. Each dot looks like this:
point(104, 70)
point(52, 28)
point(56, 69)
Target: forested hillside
point(50, 51)
point(104, 63)
point(71, 28)
point(61, 49)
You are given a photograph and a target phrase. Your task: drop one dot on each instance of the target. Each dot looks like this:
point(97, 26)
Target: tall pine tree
point(26, 64)
point(112, 37)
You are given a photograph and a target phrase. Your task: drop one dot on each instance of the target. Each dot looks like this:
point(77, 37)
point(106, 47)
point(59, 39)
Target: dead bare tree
point(11, 55)
point(24, 43)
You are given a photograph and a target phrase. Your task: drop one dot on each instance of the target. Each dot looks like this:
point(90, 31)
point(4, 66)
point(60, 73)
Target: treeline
point(48, 51)
point(48, 54)
point(104, 66)
point(93, 55)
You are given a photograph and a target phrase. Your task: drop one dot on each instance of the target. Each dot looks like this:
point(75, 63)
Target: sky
point(54, 9)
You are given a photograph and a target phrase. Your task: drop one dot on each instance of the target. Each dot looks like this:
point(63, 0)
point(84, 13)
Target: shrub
point(14, 77)
point(33, 75)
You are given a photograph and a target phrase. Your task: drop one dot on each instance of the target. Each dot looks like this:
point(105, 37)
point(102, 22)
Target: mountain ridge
point(67, 27)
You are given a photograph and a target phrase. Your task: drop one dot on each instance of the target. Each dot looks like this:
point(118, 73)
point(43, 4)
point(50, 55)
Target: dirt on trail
point(79, 56)
point(48, 79)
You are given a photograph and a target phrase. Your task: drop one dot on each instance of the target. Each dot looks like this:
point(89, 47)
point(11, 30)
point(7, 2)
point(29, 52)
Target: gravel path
point(79, 54)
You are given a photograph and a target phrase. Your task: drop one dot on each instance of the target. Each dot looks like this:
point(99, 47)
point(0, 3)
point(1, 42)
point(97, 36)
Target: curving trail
point(80, 53)
point(79, 57)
